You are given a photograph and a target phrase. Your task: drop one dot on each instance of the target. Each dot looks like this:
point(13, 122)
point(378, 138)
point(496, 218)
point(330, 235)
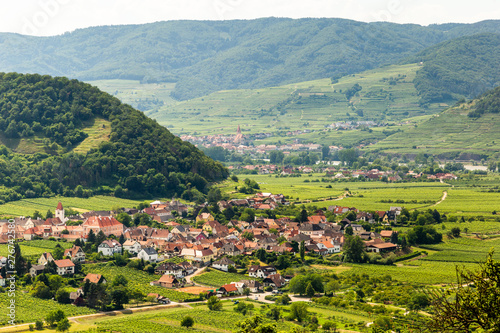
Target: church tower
point(239, 137)
point(60, 212)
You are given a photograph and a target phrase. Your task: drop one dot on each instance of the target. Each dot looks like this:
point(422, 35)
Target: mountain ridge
point(206, 56)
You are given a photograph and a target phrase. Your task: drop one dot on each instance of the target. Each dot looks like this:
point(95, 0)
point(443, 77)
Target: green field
point(27, 207)
point(305, 105)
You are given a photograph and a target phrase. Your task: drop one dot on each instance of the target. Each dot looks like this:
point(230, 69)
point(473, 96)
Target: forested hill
point(206, 56)
point(466, 66)
point(139, 157)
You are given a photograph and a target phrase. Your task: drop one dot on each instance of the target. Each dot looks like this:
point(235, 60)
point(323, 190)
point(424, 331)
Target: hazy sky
point(52, 17)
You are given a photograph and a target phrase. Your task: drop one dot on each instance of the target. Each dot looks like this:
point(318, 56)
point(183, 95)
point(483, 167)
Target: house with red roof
point(65, 267)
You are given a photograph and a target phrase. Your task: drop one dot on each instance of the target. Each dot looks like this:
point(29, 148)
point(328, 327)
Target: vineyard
point(216, 278)
point(136, 280)
point(35, 248)
point(464, 250)
point(26, 207)
point(30, 309)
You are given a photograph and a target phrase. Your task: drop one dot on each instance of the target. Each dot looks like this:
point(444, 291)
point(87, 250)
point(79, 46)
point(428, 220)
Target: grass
point(27, 207)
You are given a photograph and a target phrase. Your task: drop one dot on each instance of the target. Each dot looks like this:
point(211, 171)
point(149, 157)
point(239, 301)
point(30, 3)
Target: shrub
point(187, 322)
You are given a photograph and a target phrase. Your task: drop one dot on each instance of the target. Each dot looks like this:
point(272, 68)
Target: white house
point(261, 271)
point(148, 254)
point(223, 264)
point(2, 281)
point(76, 254)
point(132, 246)
point(65, 267)
point(329, 247)
point(109, 247)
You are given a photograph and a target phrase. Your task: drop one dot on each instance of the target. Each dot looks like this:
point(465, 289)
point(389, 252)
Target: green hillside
point(69, 138)
point(387, 95)
point(463, 67)
point(207, 56)
point(464, 131)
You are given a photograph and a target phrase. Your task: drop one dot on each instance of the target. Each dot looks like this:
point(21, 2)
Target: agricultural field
point(136, 280)
point(388, 95)
point(29, 309)
point(26, 207)
point(216, 278)
point(470, 201)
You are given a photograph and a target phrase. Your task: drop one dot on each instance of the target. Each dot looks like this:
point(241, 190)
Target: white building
point(109, 247)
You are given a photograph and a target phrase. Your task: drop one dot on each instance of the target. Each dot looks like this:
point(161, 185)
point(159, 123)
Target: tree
point(39, 325)
point(329, 326)
point(310, 290)
point(303, 216)
point(302, 250)
point(455, 232)
point(58, 253)
point(63, 325)
point(54, 316)
point(354, 249)
point(298, 284)
point(274, 313)
point(101, 237)
point(91, 237)
point(248, 235)
point(214, 304)
point(119, 296)
point(255, 325)
point(418, 302)
point(298, 311)
point(332, 286)
point(187, 322)
point(62, 296)
point(49, 214)
point(475, 303)
point(120, 280)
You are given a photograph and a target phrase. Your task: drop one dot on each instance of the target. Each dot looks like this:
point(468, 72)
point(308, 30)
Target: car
point(256, 298)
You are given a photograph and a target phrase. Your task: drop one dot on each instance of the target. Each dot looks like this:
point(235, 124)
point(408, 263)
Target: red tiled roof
point(64, 263)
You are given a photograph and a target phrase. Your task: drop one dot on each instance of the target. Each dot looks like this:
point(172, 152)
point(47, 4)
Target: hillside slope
point(206, 56)
point(466, 66)
point(387, 95)
point(136, 156)
point(465, 131)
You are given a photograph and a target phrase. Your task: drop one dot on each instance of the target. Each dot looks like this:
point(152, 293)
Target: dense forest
point(463, 67)
point(141, 157)
point(206, 56)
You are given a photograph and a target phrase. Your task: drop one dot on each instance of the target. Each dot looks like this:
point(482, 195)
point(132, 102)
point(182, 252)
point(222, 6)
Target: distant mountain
point(466, 131)
point(462, 67)
point(207, 56)
point(123, 152)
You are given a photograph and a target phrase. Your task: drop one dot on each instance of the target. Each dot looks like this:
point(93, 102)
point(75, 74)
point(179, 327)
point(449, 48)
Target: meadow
point(26, 207)
point(35, 248)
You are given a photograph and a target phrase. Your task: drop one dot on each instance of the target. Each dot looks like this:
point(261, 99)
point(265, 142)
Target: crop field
point(217, 278)
point(305, 105)
point(26, 207)
point(470, 201)
point(136, 280)
point(464, 250)
point(30, 309)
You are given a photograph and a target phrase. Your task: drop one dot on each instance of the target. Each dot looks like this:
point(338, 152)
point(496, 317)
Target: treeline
point(463, 67)
point(140, 158)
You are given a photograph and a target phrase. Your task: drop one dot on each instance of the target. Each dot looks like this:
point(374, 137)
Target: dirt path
point(443, 198)
point(197, 272)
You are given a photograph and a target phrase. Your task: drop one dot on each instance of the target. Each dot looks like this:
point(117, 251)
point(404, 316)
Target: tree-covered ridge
point(140, 158)
point(463, 67)
point(206, 56)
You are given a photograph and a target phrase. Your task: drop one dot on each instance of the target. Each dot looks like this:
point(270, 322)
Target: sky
point(54, 17)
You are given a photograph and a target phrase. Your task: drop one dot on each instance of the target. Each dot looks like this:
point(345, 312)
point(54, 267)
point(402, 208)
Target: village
point(177, 250)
